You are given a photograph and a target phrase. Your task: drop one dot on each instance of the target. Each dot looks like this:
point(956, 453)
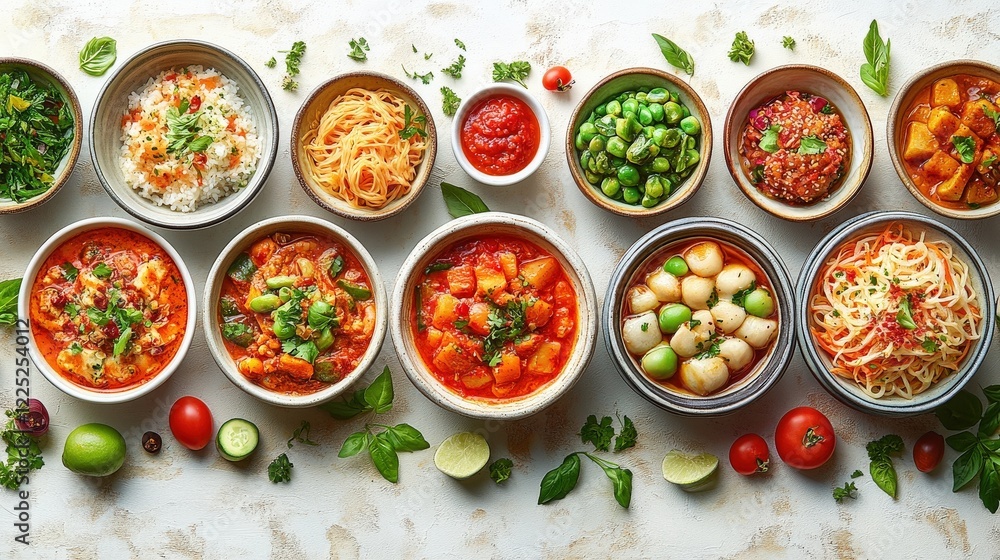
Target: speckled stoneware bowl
point(132, 76)
point(896, 129)
point(819, 362)
point(24, 297)
point(213, 289)
point(767, 371)
point(544, 134)
point(312, 110)
point(479, 225)
point(605, 90)
point(816, 81)
point(43, 74)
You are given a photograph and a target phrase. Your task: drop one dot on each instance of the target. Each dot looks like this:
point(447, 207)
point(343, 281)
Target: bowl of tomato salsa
point(494, 316)
point(295, 311)
point(500, 135)
point(111, 309)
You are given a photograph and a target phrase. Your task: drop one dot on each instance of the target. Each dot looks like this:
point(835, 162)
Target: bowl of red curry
point(295, 311)
point(798, 142)
point(111, 310)
point(494, 316)
point(500, 135)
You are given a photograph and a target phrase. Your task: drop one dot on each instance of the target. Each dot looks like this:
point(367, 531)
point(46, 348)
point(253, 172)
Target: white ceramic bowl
point(34, 268)
point(819, 361)
point(544, 132)
point(478, 225)
point(131, 76)
point(816, 81)
point(213, 287)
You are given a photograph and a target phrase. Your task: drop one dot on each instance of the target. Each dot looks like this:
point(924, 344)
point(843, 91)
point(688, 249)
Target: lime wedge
point(691, 472)
point(462, 455)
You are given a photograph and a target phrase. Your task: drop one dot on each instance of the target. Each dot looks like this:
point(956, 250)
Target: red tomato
point(195, 104)
point(804, 438)
point(191, 422)
point(749, 455)
point(557, 78)
point(928, 451)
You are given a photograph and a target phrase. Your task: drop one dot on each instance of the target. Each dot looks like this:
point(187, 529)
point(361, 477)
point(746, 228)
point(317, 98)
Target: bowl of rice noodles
point(363, 145)
point(896, 313)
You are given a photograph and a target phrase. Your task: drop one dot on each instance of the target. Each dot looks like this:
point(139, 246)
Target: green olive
point(759, 303)
point(676, 265)
point(660, 362)
point(672, 316)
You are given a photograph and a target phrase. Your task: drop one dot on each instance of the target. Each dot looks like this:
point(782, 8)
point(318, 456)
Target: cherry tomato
point(191, 422)
point(804, 438)
point(195, 104)
point(928, 451)
point(749, 455)
point(557, 78)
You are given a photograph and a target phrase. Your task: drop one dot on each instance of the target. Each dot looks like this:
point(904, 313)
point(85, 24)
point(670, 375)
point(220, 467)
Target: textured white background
point(186, 504)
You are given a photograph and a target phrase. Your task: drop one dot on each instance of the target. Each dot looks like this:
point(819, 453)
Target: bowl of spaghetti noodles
point(363, 145)
point(896, 313)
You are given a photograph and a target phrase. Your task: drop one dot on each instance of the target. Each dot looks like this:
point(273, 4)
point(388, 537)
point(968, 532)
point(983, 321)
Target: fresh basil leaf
point(384, 457)
point(621, 479)
point(558, 482)
point(200, 144)
point(966, 467)
point(461, 202)
point(674, 55)
point(811, 145)
point(336, 265)
point(627, 436)
point(242, 268)
point(991, 421)
point(992, 392)
point(122, 342)
point(500, 469)
point(379, 394)
point(9, 290)
point(406, 438)
point(992, 445)
point(598, 433)
point(875, 72)
point(348, 408)
point(989, 486)
point(354, 444)
point(961, 441)
point(966, 148)
point(98, 55)
point(961, 412)
point(884, 475)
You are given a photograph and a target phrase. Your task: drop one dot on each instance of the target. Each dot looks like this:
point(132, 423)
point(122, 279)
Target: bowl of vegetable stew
point(295, 311)
point(699, 316)
point(494, 316)
point(41, 100)
point(798, 142)
point(942, 138)
point(639, 143)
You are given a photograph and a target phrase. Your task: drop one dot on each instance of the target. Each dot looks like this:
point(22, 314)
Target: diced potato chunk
point(508, 262)
point(461, 281)
point(954, 186)
point(538, 313)
point(508, 370)
point(979, 193)
point(479, 313)
point(445, 311)
point(434, 337)
point(452, 358)
point(940, 166)
point(942, 123)
point(564, 293)
point(489, 281)
point(975, 117)
point(477, 379)
point(920, 143)
point(295, 367)
point(540, 272)
point(545, 359)
point(527, 345)
point(945, 92)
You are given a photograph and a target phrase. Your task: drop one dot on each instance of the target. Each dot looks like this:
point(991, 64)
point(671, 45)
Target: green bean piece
point(606, 125)
point(597, 143)
point(680, 161)
point(674, 97)
point(654, 186)
point(356, 291)
point(602, 165)
point(649, 201)
point(265, 303)
point(660, 164)
point(628, 176)
point(645, 117)
point(585, 159)
point(659, 137)
point(588, 131)
point(610, 186)
point(657, 95)
point(600, 111)
point(656, 111)
point(631, 195)
point(623, 128)
point(276, 282)
point(613, 108)
point(616, 147)
point(672, 112)
point(689, 142)
point(592, 164)
point(641, 97)
point(592, 178)
point(285, 294)
point(639, 152)
point(630, 105)
point(690, 125)
point(692, 157)
point(672, 138)
point(579, 142)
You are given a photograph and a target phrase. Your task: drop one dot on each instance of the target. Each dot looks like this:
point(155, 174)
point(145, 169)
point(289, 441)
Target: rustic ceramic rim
point(463, 228)
point(845, 193)
point(842, 389)
point(34, 268)
point(69, 160)
point(346, 211)
point(690, 185)
point(768, 371)
point(544, 130)
point(894, 129)
point(213, 287)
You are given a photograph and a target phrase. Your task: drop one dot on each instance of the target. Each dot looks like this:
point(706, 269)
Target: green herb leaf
point(621, 479)
point(122, 341)
point(460, 44)
point(336, 265)
point(966, 148)
point(905, 315)
point(811, 145)
point(598, 433)
point(740, 296)
point(788, 43)
point(769, 141)
point(875, 72)
point(675, 56)
point(992, 392)
point(288, 84)
point(359, 48)
point(437, 267)
point(991, 421)
point(962, 441)
point(237, 333)
point(857, 474)
point(848, 491)
point(98, 55)
point(412, 125)
point(9, 290)
point(627, 436)
point(757, 174)
point(966, 467)
point(379, 394)
point(450, 101)
point(354, 444)
point(200, 144)
point(280, 469)
point(461, 202)
point(70, 272)
point(102, 271)
point(500, 469)
point(242, 268)
point(930, 345)
point(516, 71)
point(293, 57)
point(384, 457)
point(558, 482)
point(425, 78)
point(271, 62)
point(884, 475)
point(406, 438)
point(962, 412)
point(348, 408)
point(455, 70)
point(742, 49)
point(989, 485)
point(301, 435)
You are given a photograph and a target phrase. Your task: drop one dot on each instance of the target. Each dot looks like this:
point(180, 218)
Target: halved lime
point(462, 455)
point(691, 472)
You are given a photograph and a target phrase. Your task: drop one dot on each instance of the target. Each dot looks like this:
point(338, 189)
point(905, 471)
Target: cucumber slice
point(237, 439)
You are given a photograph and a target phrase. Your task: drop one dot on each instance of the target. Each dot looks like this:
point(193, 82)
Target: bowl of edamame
point(639, 143)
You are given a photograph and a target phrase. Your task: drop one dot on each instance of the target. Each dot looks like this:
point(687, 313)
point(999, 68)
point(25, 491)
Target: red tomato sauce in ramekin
point(500, 135)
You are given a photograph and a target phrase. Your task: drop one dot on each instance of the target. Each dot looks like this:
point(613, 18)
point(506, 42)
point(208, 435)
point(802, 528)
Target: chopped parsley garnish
point(455, 70)
point(359, 48)
point(507, 323)
point(966, 148)
point(425, 78)
point(450, 101)
point(412, 125)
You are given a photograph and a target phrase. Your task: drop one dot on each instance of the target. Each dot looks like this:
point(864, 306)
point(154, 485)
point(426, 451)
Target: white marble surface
point(184, 504)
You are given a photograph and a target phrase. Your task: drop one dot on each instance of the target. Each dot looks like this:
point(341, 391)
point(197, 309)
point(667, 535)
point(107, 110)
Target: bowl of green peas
point(639, 143)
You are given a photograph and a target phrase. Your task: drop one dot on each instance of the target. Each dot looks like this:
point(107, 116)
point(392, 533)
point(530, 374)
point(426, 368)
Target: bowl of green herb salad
point(40, 132)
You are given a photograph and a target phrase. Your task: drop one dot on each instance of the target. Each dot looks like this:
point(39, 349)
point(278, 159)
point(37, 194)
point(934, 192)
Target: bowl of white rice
point(183, 135)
